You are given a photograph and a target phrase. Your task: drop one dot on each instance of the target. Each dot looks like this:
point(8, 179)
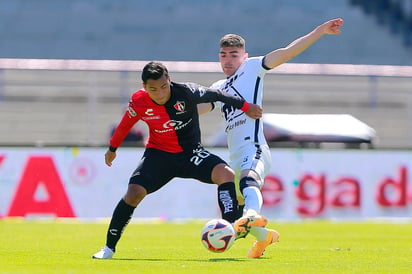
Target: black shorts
point(157, 167)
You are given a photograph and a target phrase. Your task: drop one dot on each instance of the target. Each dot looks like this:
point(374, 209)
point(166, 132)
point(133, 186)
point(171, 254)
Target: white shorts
point(257, 158)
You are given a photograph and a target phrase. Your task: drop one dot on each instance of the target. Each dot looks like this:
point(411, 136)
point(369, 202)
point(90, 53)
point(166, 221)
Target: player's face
point(158, 90)
point(231, 58)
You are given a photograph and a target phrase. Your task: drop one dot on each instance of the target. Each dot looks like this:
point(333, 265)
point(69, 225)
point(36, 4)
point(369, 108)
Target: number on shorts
point(200, 155)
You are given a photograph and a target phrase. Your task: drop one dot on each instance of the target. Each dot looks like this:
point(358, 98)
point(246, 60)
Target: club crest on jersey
point(179, 106)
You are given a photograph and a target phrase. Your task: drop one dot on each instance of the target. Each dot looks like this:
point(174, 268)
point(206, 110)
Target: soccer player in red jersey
point(173, 148)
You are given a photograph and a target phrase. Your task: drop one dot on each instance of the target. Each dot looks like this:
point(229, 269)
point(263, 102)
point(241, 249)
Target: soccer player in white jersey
point(249, 153)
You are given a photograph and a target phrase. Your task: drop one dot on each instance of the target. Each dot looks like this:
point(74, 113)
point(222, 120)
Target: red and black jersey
point(174, 126)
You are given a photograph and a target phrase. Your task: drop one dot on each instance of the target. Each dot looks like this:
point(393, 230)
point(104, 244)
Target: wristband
point(245, 106)
point(112, 149)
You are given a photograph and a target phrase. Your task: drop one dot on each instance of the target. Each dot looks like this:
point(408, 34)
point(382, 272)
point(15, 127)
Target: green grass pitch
point(61, 246)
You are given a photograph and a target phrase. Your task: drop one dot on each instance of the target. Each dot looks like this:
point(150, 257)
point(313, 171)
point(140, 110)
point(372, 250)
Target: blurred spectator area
point(396, 15)
point(55, 101)
point(187, 30)
point(74, 102)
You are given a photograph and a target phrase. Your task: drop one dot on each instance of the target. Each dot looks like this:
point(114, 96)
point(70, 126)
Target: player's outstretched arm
point(281, 55)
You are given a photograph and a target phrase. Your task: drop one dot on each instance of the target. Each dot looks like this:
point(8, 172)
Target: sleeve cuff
point(112, 149)
point(245, 106)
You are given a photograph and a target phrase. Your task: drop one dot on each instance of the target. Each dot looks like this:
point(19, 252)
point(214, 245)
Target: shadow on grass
point(182, 260)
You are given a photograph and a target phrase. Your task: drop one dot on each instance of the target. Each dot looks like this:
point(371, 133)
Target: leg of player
point(224, 177)
point(250, 185)
point(264, 238)
point(121, 217)
point(250, 188)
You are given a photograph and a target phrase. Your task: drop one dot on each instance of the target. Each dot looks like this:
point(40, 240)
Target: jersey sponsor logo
point(149, 112)
point(180, 107)
point(235, 124)
point(145, 118)
point(173, 125)
point(131, 112)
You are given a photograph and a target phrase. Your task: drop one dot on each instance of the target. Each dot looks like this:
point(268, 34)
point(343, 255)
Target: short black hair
point(154, 71)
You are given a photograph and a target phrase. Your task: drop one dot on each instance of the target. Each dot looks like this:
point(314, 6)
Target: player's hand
point(109, 157)
point(332, 26)
point(254, 111)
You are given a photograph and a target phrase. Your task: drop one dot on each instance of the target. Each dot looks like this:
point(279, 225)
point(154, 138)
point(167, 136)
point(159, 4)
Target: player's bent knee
point(135, 194)
point(247, 182)
point(222, 173)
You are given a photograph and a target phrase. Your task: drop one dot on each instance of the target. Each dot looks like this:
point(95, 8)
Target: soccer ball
point(218, 235)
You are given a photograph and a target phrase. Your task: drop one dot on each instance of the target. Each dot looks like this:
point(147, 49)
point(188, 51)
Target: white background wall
point(341, 184)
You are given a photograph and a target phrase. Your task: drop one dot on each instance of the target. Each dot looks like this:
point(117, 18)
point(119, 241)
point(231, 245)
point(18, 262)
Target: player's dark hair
point(232, 40)
point(154, 71)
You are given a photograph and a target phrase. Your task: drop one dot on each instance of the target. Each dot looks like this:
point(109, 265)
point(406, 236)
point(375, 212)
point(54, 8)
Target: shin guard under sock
point(121, 217)
point(253, 198)
point(251, 193)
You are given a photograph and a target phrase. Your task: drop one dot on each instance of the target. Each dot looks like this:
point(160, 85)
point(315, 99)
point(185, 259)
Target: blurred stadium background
point(46, 103)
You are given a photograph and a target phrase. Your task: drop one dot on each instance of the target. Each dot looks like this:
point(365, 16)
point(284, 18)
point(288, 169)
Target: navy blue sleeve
point(207, 95)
